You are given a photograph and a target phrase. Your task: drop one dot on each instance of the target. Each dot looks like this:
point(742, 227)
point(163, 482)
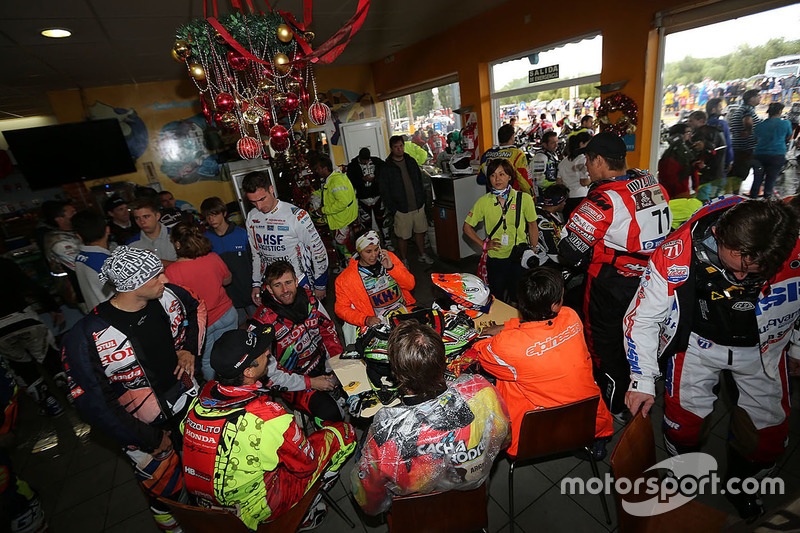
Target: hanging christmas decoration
point(319, 113)
point(279, 138)
point(248, 147)
point(252, 67)
point(626, 123)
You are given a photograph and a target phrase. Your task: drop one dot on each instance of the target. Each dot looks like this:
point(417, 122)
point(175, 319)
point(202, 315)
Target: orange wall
point(503, 31)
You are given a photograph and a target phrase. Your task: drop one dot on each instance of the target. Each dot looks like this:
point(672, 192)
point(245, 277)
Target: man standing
point(93, 230)
point(122, 227)
point(714, 111)
point(154, 235)
point(130, 364)
point(720, 295)
point(305, 338)
point(405, 196)
point(521, 179)
point(246, 453)
point(623, 220)
point(544, 165)
point(709, 149)
point(229, 241)
point(364, 172)
point(741, 120)
point(170, 214)
point(339, 206)
point(587, 125)
point(279, 230)
point(60, 247)
point(442, 436)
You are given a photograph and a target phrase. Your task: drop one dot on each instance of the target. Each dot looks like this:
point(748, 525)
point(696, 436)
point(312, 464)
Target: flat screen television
point(51, 156)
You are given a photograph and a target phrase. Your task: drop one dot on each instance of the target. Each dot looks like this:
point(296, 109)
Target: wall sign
point(542, 74)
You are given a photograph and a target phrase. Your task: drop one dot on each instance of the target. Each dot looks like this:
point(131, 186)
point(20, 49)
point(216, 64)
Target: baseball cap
point(608, 145)
point(113, 202)
point(235, 350)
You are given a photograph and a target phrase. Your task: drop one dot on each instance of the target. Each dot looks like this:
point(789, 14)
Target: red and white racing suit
point(287, 233)
point(687, 309)
point(615, 229)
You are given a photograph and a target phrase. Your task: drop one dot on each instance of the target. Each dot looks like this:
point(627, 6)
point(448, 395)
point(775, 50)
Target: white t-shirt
point(571, 173)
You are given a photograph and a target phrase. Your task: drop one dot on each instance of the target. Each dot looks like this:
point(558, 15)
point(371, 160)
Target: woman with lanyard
point(508, 217)
point(374, 284)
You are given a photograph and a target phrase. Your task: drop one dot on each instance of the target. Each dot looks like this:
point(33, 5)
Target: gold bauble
point(219, 38)
point(309, 36)
point(293, 87)
point(279, 99)
point(227, 119)
point(266, 85)
point(197, 71)
point(181, 51)
point(251, 115)
point(284, 33)
point(281, 62)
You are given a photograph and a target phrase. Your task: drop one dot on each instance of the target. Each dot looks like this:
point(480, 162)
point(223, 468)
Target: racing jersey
point(544, 169)
point(447, 442)
point(542, 364)
point(680, 295)
point(108, 375)
point(287, 233)
point(301, 344)
point(247, 454)
point(550, 228)
point(88, 263)
point(518, 160)
point(619, 224)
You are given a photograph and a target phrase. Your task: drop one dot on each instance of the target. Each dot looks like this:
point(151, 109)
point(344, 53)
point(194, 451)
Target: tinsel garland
point(251, 30)
point(626, 122)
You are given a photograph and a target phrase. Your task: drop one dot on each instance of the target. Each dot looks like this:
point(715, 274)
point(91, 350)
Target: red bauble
point(236, 61)
point(279, 138)
point(304, 96)
point(225, 102)
point(207, 113)
point(291, 103)
point(266, 122)
point(248, 147)
point(319, 113)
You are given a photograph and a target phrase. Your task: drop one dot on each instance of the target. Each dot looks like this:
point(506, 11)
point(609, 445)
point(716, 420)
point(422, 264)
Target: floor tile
point(529, 484)
point(85, 485)
point(86, 515)
point(89, 454)
point(556, 512)
point(141, 522)
point(591, 502)
point(498, 518)
point(125, 501)
point(555, 469)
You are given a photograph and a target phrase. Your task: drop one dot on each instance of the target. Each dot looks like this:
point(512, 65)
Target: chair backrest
point(454, 511)
point(201, 520)
point(557, 429)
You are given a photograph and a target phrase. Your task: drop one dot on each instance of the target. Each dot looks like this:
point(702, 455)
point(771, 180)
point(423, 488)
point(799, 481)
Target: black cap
point(235, 350)
point(608, 145)
point(113, 203)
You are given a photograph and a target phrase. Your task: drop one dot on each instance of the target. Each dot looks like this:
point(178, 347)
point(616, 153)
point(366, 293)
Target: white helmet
point(467, 291)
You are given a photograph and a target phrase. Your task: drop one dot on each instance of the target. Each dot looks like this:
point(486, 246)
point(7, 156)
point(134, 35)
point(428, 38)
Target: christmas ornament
point(279, 138)
point(224, 102)
point(266, 86)
point(236, 61)
point(197, 71)
point(228, 120)
point(253, 114)
point(266, 122)
point(290, 103)
point(219, 38)
point(293, 86)
point(209, 116)
point(284, 33)
point(319, 113)
point(309, 36)
point(626, 123)
point(181, 51)
point(281, 62)
point(248, 147)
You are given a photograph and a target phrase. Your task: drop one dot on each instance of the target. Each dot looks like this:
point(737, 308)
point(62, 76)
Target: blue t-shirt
point(771, 135)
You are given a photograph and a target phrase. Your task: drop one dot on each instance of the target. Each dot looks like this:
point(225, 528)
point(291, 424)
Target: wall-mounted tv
point(50, 156)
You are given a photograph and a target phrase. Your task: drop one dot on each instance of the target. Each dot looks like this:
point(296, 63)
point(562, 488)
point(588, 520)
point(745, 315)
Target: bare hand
point(492, 330)
point(635, 400)
point(373, 321)
point(255, 295)
point(324, 383)
point(320, 293)
point(185, 364)
point(493, 244)
point(166, 443)
point(386, 261)
point(794, 367)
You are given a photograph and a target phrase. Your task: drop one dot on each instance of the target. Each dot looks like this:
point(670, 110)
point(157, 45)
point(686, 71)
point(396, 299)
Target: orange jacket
point(542, 364)
point(352, 301)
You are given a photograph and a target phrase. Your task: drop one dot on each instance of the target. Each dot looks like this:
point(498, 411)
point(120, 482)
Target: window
point(424, 112)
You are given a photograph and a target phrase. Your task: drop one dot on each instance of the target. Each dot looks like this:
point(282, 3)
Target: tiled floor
point(87, 486)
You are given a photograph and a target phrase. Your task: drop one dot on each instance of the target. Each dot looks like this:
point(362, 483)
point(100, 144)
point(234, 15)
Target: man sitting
point(246, 453)
point(306, 338)
point(533, 371)
point(443, 436)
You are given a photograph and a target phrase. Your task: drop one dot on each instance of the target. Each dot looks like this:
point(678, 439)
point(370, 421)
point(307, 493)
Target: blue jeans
point(769, 165)
point(227, 322)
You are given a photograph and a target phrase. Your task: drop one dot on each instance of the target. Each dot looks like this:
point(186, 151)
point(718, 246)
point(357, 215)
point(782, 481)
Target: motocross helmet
point(467, 291)
point(460, 164)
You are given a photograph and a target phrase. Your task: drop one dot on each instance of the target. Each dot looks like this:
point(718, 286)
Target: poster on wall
point(133, 127)
point(185, 154)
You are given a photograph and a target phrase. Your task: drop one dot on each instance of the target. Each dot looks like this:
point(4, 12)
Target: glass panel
point(422, 113)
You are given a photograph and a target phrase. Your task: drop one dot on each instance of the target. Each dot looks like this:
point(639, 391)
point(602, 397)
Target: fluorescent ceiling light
point(56, 33)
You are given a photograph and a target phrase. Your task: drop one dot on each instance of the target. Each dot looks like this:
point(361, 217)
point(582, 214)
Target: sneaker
point(329, 479)
point(425, 258)
point(314, 517)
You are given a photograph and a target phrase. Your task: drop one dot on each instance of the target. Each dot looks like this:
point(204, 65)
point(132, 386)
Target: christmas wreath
point(626, 122)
